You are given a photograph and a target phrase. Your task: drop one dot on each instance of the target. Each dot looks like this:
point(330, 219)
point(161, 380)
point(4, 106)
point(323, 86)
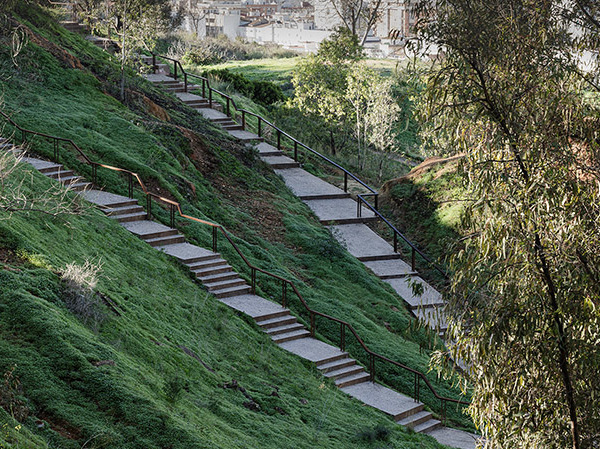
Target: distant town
point(301, 25)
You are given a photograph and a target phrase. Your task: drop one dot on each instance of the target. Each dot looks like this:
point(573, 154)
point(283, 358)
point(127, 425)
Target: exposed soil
point(62, 427)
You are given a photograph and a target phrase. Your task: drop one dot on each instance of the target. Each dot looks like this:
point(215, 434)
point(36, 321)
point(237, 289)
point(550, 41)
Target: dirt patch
point(62, 427)
point(151, 107)
point(423, 167)
point(63, 56)
point(265, 219)
point(200, 153)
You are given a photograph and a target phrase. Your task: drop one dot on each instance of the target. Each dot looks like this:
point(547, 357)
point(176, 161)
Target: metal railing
point(175, 208)
point(231, 108)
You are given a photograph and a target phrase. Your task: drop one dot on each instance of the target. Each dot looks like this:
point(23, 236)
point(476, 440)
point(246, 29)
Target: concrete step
point(69, 179)
point(189, 254)
point(216, 269)
point(283, 329)
point(224, 284)
point(428, 426)
point(231, 125)
point(50, 167)
point(280, 162)
point(232, 291)
point(165, 240)
point(151, 230)
point(278, 321)
point(291, 335)
point(347, 371)
point(336, 364)
point(207, 262)
point(352, 380)
point(127, 218)
point(340, 211)
point(243, 136)
point(415, 419)
point(218, 277)
point(124, 210)
point(61, 173)
point(80, 186)
point(107, 200)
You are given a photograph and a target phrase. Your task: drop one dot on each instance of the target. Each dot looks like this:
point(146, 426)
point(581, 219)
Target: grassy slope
point(71, 103)
point(128, 405)
point(427, 207)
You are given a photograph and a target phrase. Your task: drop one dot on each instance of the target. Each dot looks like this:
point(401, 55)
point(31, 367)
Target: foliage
point(212, 50)
point(510, 93)
point(358, 16)
point(336, 86)
point(263, 92)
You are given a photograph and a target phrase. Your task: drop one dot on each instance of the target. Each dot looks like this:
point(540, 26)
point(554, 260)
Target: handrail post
point(259, 126)
point(376, 201)
point(284, 294)
point(395, 242)
point(295, 150)
point(358, 206)
point(279, 139)
point(175, 70)
point(203, 88)
point(228, 111)
point(312, 323)
point(172, 215)
point(416, 395)
point(342, 337)
point(412, 259)
point(94, 173)
point(130, 176)
point(243, 120)
point(154, 63)
point(372, 368)
point(185, 82)
point(345, 182)
point(443, 411)
point(148, 206)
point(253, 280)
point(210, 98)
point(56, 150)
point(214, 238)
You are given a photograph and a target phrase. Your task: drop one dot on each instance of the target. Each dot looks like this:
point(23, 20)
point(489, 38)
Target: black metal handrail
point(414, 250)
point(174, 207)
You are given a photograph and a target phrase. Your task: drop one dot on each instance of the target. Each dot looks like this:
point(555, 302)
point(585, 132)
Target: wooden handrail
point(175, 206)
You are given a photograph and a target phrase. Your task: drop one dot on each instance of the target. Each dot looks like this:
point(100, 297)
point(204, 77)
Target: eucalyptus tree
point(524, 308)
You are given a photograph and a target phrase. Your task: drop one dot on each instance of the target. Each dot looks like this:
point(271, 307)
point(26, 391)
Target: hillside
point(154, 395)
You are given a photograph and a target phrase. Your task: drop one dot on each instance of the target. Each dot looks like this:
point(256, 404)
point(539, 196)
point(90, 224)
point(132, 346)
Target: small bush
point(379, 433)
point(263, 92)
point(80, 298)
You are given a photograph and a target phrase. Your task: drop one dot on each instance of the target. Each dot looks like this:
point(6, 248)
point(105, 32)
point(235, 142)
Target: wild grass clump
point(80, 297)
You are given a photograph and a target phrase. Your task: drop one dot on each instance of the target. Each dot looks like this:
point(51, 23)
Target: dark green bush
point(263, 92)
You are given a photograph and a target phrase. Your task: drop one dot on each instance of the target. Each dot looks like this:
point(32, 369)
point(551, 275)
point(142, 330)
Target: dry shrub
point(80, 297)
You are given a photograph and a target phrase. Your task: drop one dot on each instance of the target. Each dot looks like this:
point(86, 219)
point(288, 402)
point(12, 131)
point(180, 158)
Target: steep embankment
point(155, 395)
point(427, 204)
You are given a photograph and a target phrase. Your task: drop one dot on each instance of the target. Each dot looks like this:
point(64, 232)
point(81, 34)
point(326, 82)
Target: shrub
point(263, 92)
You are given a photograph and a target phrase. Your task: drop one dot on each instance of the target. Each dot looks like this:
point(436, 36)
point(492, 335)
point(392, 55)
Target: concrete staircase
point(227, 285)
